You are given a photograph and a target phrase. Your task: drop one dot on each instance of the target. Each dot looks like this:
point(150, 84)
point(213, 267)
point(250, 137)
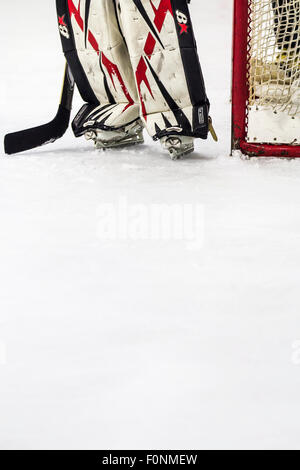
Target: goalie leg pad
point(168, 75)
point(140, 58)
point(98, 57)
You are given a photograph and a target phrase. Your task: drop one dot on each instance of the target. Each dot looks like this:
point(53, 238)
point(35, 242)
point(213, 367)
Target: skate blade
point(176, 154)
point(178, 146)
point(101, 144)
point(130, 135)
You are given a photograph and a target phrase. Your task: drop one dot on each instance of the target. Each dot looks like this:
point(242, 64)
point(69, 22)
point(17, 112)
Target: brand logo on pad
point(182, 21)
point(63, 28)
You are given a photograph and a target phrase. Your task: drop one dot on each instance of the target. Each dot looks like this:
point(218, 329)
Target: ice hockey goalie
point(136, 65)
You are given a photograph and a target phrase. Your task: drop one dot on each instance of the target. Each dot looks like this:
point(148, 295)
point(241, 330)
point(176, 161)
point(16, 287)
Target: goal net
point(274, 54)
point(267, 69)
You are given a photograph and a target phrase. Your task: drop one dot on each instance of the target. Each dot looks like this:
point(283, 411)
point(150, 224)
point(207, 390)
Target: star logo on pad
point(61, 20)
point(184, 28)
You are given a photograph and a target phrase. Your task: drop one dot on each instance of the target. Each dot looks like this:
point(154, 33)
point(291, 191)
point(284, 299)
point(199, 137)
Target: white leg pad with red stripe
point(140, 56)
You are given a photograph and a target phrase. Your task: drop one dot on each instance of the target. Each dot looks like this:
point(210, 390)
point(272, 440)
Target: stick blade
point(37, 136)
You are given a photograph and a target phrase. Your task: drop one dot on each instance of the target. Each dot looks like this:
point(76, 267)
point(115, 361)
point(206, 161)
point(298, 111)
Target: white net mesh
point(274, 62)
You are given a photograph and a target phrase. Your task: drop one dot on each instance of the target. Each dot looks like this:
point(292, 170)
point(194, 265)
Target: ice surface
point(142, 343)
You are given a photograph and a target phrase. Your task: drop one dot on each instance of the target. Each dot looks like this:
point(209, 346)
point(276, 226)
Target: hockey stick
point(47, 133)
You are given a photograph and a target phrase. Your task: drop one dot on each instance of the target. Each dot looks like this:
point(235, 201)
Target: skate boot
point(109, 126)
point(130, 134)
point(177, 145)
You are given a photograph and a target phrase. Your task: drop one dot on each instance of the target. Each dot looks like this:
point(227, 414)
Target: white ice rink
point(153, 344)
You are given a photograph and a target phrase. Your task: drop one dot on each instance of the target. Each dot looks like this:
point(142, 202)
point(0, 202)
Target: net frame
point(241, 88)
